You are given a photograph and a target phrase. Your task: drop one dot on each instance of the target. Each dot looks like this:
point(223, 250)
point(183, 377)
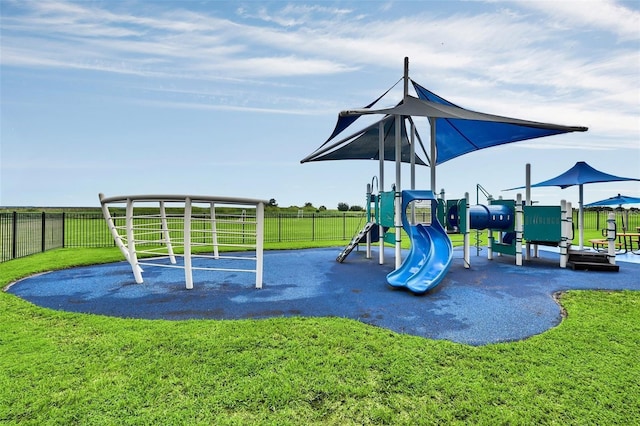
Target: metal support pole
point(214, 230)
point(131, 243)
point(259, 243)
point(165, 233)
point(368, 251)
point(397, 195)
point(519, 229)
point(188, 276)
point(466, 241)
point(565, 214)
point(611, 238)
point(381, 166)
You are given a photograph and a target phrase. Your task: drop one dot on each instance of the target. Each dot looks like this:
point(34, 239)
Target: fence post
point(313, 226)
point(43, 233)
point(14, 231)
point(64, 229)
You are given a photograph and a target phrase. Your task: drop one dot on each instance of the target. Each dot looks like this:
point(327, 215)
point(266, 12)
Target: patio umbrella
point(618, 200)
point(580, 174)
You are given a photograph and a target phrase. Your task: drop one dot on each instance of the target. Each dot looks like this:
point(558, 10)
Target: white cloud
point(606, 15)
point(567, 62)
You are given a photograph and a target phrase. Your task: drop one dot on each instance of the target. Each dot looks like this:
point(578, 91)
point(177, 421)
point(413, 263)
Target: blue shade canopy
point(618, 200)
point(579, 174)
point(344, 122)
point(458, 131)
point(458, 136)
point(364, 145)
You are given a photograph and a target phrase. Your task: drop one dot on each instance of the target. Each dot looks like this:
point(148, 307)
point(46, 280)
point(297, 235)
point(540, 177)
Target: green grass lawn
point(66, 368)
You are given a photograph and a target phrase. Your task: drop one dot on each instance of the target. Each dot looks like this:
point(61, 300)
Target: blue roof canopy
point(364, 145)
point(579, 174)
point(459, 136)
point(458, 131)
point(618, 200)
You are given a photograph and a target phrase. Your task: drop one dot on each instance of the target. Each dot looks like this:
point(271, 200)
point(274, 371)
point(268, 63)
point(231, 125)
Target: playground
point(507, 295)
point(496, 301)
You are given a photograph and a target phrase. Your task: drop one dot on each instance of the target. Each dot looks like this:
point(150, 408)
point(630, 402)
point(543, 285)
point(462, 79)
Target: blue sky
point(226, 98)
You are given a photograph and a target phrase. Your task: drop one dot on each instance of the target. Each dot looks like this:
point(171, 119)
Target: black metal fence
point(25, 233)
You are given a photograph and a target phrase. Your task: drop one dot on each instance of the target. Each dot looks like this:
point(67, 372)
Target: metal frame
point(133, 235)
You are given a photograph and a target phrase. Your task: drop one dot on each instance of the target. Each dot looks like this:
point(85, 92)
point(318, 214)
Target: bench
point(603, 244)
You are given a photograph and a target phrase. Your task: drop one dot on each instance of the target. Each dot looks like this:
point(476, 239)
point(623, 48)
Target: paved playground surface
point(494, 301)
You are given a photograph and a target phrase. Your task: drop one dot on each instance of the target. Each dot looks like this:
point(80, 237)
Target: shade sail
point(364, 145)
point(458, 131)
point(464, 131)
point(618, 200)
point(344, 122)
point(579, 174)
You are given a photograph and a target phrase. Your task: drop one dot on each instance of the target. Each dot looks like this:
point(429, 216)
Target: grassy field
point(65, 368)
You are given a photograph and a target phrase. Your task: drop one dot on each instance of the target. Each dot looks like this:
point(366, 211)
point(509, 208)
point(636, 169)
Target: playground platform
point(494, 301)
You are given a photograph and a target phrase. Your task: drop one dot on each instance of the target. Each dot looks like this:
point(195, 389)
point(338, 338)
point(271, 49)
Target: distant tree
point(307, 204)
point(356, 208)
point(322, 208)
point(343, 207)
point(272, 203)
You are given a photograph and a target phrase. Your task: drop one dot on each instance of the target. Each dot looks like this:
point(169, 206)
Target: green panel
point(390, 236)
point(542, 223)
point(387, 208)
point(462, 213)
point(504, 248)
point(452, 209)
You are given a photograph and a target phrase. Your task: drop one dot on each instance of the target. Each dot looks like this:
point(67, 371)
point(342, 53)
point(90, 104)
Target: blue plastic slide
point(431, 250)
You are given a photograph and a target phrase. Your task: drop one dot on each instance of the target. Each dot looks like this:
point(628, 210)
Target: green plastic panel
point(390, 236)
point(509, 249)
point(387, 208)
point(542, 223)
point(462, 212)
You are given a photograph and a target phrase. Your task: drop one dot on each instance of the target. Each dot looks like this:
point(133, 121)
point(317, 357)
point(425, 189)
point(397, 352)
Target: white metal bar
point(467, 235)
point(165, 232)
point(188, 276)
point(180, 198)
point(259, 243)
point(368, 251)
point(132, 235)
point(518, 229)
point(580, 216)
point(131, 243)
point(214, 230)
point(565, 228)
point(113, 229)
point(611, 238)
point(397, 196)
point(381, 190)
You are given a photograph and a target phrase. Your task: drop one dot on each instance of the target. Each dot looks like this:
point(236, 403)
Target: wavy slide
point(428, 261)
